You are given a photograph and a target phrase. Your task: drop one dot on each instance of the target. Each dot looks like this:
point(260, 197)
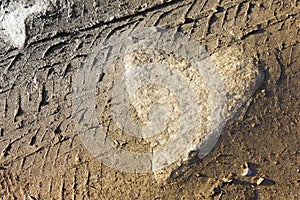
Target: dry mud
point(42, 156)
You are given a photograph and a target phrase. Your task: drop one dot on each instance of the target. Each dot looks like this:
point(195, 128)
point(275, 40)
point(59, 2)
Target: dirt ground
point(42, 157)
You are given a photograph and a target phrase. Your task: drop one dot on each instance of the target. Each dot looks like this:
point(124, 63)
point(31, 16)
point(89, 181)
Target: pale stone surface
point(165, 90)
point(241, 77)
point(12, 20)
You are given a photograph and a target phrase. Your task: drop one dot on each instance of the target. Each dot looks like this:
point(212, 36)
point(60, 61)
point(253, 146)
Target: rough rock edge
point(12, 19)
point(242, 78)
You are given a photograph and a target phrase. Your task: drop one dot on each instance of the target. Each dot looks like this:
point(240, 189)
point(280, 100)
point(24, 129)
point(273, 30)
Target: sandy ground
point(42, 157)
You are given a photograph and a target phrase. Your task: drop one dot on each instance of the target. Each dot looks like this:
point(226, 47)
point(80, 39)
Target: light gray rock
point(166, 91)
point(12, 20)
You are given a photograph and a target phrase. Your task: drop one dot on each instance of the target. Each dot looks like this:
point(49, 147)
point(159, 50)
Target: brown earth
point(42, 157)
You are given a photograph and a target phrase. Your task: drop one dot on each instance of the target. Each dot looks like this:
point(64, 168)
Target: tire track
point(54, 151)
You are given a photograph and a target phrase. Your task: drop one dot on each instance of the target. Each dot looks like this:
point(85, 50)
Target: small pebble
point(117, 143)
point(260, 181)
point(276, 162)
point(246, 170)
point(228, 179)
